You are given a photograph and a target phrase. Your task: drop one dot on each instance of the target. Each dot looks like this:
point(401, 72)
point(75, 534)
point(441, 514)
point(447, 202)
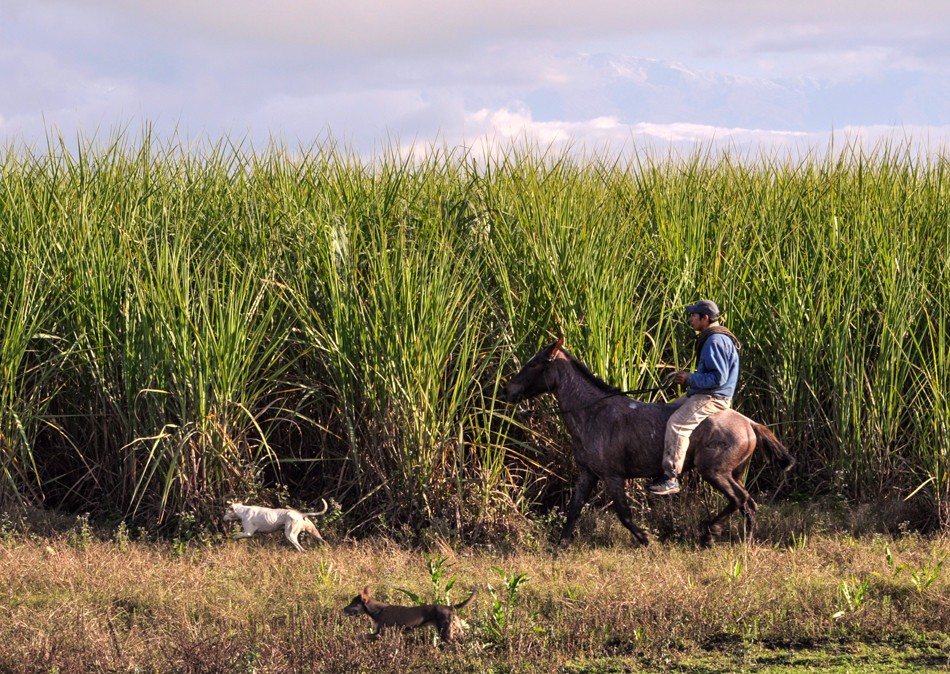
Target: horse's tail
point(773, 447)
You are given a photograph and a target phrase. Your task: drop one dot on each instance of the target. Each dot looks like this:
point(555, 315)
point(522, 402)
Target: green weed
point(503, 605)
point(81, 535)
point(924, 577)
point(854, 594)
point(437, 566)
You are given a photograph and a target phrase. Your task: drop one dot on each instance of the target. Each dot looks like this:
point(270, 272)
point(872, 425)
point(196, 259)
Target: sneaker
point(669, 485)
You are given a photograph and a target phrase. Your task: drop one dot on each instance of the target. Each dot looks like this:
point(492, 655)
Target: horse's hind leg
point(739, 499)
point(748, 506)
point(615, 490)
point(725, 485)
point(585, 484)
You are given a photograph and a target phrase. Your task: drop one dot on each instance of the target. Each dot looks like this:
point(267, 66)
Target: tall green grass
point(182, 325)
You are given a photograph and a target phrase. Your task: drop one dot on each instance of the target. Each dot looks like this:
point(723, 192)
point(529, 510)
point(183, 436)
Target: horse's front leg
point(617, 493)
point(585, 484)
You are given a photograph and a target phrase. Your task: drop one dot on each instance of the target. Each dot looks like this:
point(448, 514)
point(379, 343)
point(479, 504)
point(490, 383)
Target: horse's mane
point(590, 376)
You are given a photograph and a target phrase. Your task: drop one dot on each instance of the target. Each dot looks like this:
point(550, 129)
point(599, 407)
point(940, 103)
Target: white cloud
point(556, 71)
point(494, 131)
point(517, 124)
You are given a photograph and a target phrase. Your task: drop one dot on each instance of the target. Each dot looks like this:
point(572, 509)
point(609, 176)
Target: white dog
point(265, 520)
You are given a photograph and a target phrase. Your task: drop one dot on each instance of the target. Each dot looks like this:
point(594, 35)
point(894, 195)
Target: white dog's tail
point(325, 506)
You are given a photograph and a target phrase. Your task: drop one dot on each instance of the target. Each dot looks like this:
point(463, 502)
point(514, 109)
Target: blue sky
point(614, 74)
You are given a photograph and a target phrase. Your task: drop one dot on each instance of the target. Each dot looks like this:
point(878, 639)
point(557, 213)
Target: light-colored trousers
point(689, 414)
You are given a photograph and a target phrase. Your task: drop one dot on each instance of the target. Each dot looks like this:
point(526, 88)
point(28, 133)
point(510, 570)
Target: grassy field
point(812, 594)
point(182, 325)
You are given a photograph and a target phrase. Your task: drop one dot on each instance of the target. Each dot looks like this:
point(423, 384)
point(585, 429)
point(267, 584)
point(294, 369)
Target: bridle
point(667, 380)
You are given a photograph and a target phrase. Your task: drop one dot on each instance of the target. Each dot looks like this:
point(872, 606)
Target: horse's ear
point(552, 350)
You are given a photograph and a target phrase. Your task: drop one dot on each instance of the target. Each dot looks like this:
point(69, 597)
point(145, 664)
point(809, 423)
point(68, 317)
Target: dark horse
point(616, 438)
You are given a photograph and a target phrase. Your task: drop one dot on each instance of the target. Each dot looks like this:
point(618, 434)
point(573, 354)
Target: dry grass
point(75, 602)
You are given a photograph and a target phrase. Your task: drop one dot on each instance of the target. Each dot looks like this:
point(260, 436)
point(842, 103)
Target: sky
point(374, 75)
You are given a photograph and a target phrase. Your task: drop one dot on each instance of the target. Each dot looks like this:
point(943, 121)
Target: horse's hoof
point(709, 536)
point(564, 543)
point(642, 539)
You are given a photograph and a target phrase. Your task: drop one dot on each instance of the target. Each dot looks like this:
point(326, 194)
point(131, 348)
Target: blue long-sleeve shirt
point(717, 371)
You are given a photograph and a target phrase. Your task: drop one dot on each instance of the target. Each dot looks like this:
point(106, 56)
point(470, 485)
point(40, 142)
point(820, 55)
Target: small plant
point(854, 595)
point(503, 607)
point(437, 567)
point(179, 547)
point(923, 578)
point(8, 529)
point(440, 585)
point(121, 536)
point(80, 537)
point(327, 574)
point(187, 526)
point(736, 570)
point(889, 559)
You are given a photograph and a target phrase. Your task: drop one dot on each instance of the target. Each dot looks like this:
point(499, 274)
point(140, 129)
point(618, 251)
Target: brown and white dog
point(443, 618)
point(260, 519)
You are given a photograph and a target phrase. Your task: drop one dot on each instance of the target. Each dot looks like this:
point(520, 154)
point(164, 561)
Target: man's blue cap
point(704, 308)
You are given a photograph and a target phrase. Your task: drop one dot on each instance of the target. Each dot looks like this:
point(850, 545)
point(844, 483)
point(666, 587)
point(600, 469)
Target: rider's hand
point(680, 377)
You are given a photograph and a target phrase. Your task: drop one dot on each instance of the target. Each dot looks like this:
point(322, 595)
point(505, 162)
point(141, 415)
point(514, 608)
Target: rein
point(655, 389)
point(667, 380)
point(638, 391)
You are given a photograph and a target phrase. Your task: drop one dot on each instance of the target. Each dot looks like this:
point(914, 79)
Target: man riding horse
point(710, 389)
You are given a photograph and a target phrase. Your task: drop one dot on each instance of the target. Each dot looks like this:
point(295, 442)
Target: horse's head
point(532, 379)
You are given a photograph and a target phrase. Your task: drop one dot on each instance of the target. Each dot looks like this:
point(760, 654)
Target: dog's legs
point(292, 531)
point(242, 534)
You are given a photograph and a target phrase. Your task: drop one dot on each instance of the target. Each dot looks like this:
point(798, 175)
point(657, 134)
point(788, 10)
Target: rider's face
point(698, 322)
